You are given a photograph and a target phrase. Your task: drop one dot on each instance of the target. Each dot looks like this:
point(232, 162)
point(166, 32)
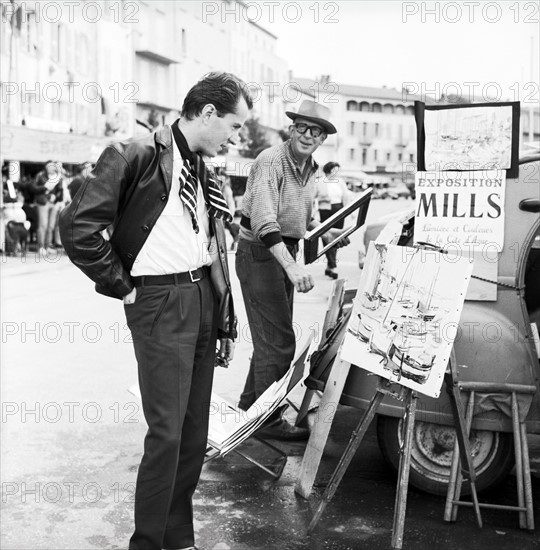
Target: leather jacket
point(128, 189)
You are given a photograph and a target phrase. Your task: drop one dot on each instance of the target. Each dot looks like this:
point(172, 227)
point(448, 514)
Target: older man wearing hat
point(276, 212)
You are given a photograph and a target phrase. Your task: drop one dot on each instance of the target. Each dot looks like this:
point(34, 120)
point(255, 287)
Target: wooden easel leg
point(404, 468)
point(456, 479)
point(452, 484)
point(463, 428)
point(348, 454)
point(304, 406)
point(527, 478)
point(319, 435)
point(519, 460)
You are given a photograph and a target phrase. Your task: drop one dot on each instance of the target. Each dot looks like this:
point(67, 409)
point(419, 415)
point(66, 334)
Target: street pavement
point(72, 434)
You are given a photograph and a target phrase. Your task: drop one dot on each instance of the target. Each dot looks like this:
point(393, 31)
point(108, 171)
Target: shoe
point(281, 429)
point(330, 273)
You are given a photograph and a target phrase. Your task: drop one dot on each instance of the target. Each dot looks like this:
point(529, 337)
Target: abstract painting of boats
point(405, 315)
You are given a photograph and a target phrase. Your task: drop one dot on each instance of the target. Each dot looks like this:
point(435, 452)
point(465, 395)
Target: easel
point(335, 305)
point(521, 451)
point(384, 388)
point(319, 435)
point(331, 396)
point(410, 399)
point(462, 451)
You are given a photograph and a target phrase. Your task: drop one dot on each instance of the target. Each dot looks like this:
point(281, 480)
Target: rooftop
point(354, 90)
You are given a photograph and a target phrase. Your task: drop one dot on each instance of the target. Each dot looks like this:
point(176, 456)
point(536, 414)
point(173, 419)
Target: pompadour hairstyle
point(223, 90)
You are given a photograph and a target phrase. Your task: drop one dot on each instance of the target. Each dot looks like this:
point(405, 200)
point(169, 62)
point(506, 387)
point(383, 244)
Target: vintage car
point(510, 357)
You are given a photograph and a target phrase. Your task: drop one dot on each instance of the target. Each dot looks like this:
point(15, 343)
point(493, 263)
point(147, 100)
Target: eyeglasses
point(302, 128)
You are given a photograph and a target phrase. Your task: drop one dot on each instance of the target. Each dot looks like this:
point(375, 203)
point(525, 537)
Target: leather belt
point(172, 279)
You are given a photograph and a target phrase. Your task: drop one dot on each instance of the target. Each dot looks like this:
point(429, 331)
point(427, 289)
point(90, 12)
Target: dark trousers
point(174, 335)
point(268, 298)
point(331, 255)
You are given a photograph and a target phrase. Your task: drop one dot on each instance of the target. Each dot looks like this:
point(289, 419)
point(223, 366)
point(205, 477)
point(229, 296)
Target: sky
point(478, 47)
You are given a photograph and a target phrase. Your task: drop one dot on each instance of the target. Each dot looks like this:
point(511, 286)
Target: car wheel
point(431, 456)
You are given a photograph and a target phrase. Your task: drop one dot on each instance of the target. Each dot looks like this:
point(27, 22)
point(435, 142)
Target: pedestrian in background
point(226, 189)
point(276, 213)
point(76, 183)
point(48, 191)
point(167, 260)
point(332, 194)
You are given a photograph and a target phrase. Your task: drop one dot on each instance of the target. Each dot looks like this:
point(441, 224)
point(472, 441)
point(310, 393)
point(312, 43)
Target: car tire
point(493, 454)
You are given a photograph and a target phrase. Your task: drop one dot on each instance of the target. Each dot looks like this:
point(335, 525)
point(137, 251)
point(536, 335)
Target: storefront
point(30, 149)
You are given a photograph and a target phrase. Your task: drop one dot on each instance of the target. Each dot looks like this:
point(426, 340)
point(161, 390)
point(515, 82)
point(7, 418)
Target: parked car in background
point(399, 190)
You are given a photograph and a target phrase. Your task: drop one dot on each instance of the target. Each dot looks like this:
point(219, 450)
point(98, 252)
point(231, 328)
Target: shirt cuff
point(270, 239)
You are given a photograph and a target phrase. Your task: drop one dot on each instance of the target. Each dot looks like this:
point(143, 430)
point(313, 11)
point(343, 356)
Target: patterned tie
point(188, 192)
point(216, 203)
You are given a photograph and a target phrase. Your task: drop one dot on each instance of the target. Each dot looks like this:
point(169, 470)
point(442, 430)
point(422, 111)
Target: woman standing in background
point(332, 194)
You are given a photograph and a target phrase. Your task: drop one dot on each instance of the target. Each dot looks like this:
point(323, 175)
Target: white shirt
point(335, 191)
point(173, 246)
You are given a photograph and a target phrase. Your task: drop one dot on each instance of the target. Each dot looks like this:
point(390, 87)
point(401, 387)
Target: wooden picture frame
point(311, 239)
point(461, 111)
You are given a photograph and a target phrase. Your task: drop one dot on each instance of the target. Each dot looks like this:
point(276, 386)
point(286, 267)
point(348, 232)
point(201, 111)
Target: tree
point(254, 139)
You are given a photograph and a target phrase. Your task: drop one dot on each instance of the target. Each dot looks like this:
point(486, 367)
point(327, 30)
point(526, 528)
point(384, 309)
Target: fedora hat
point(315, 112)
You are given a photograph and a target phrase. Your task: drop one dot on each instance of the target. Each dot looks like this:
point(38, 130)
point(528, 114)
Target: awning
point(31, 145)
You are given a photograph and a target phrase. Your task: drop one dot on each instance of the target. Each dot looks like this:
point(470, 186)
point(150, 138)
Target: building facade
point(63, 79)
point(76, 76)
point(376, 127)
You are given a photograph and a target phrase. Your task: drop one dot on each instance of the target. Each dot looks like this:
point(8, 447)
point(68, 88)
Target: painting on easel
point(405, 315)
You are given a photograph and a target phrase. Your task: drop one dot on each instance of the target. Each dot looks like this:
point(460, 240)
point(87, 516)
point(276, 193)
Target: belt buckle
point(191, 276)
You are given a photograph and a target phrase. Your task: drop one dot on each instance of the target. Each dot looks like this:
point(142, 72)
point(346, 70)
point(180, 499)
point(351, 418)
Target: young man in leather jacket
point(167, 260)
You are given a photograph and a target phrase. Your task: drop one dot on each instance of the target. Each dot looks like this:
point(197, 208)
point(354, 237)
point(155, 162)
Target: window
point(365, 106)
point(351, 154)
point(375, 154)
point(389, 131)
point(377, 129)
point(400, 110)
point(69, 53)
point(35, 108)
point(351, 128)
point(400, 157)
point(364, 129)
point(5, 35)
point(29, 32)
point(81, 45)
point(364, 155)
point(352, 106)
point(62, 44)
point(411, 157)
point(388, 108)
point(184, 42)
point(55, 42)
point(377, 108)
point(388, 156)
